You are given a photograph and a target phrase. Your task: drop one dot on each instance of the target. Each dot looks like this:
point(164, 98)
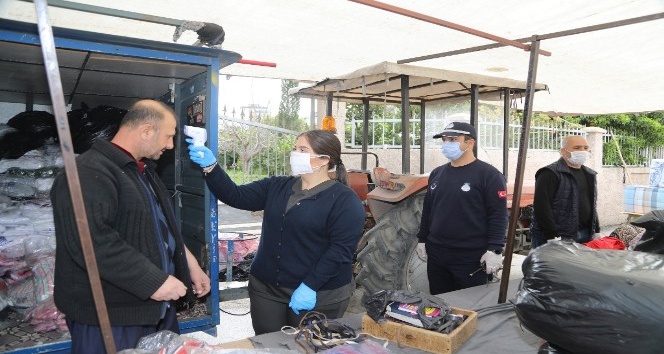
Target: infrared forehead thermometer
point(198, 135)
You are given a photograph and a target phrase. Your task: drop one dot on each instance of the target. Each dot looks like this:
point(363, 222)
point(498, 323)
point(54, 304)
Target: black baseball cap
point(456, 129)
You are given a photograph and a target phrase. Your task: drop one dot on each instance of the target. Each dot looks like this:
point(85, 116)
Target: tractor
point(385, 257)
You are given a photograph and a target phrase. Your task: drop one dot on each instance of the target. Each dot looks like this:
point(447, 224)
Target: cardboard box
point(434, 342)
point(238, 344)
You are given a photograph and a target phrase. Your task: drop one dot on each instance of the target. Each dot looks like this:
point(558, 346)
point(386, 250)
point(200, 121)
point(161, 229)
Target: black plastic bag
point(15, 144)
point(33, 128)
point(77, 119)
point(101, 122)
point(653, 238)
point(41, 124)
point(584, 300)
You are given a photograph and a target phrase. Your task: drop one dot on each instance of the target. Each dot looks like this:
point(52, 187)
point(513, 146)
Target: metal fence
point(626, 150)
point(546, 136)
point(252, 150)
point(490, 134)
point(617, 149)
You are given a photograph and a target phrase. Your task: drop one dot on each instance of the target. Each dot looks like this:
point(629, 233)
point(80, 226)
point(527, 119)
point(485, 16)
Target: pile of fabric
point(30, 159)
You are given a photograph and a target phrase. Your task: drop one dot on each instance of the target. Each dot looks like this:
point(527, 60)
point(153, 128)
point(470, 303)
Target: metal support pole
point(312, 114)
point(328, 106)
point(448, 24)
point(230, 253)
point(506, 131)
point(113, 12)
point(405, 124)
point(365, 132)
point(423, 135)
point(66, 146)
point(474, 104)
point(29, 101)
point(520, 167)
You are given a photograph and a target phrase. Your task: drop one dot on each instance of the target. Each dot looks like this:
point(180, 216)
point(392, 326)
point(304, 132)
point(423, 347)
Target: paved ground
point(235, 320)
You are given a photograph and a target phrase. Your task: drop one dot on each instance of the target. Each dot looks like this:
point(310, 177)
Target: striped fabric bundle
point(642, 199)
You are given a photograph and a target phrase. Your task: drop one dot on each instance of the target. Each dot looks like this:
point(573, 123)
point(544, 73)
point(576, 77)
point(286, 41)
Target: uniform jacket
point(312, 243)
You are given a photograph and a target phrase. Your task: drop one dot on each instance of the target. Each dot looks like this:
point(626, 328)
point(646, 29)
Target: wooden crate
point(435, 342)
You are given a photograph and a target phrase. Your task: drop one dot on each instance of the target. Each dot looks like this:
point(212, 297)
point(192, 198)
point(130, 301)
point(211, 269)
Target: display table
point(498, 329)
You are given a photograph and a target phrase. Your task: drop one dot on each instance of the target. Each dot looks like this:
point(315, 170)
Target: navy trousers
point(582, 236)
point(86, 339)
point(453, 269)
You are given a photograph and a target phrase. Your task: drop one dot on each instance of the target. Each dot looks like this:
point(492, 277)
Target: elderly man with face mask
point(566, 196)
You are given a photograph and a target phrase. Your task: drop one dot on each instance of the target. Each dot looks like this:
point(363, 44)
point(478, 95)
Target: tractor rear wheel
point(389, 260)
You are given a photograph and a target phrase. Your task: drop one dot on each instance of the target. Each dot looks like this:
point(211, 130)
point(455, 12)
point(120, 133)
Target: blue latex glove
point(303, 298)
point(205, 159)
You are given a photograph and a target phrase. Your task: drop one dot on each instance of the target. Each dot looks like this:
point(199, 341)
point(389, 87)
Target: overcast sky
point(237, 92)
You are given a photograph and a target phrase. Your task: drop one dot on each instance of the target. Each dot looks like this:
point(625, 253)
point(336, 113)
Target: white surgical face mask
point(300, 163)
point(578, 157)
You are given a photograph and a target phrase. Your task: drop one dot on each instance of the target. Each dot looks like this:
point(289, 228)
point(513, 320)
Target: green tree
point(289, 108)
point(634, 134)
point(386, 126)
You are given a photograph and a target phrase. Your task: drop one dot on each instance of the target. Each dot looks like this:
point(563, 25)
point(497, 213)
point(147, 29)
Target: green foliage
point(240, 177)
point(289, 108)
point(386, 128)
point(256, 154)
point(635, 135)
point(273, 159)
point(647, 127)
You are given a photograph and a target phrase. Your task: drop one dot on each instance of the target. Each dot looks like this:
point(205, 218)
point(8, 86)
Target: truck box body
point(99, 69)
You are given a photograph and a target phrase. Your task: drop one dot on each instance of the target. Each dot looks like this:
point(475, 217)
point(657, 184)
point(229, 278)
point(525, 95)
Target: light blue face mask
point(452, 150)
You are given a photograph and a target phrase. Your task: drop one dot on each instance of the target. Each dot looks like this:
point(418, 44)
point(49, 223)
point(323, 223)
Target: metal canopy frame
point(384, 83)
point(149, 66)
point(530, 89)
point(552, 35)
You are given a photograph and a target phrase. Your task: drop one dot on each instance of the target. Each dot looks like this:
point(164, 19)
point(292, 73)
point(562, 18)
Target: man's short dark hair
point(146, 111)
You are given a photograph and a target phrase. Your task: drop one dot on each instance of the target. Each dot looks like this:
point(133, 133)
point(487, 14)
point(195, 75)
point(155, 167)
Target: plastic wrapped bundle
point(593, 301)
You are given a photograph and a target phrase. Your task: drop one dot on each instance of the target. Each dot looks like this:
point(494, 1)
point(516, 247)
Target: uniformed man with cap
point(464, 218)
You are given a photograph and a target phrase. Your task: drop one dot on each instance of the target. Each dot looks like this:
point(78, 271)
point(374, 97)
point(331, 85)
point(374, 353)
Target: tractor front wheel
point(389, 260)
